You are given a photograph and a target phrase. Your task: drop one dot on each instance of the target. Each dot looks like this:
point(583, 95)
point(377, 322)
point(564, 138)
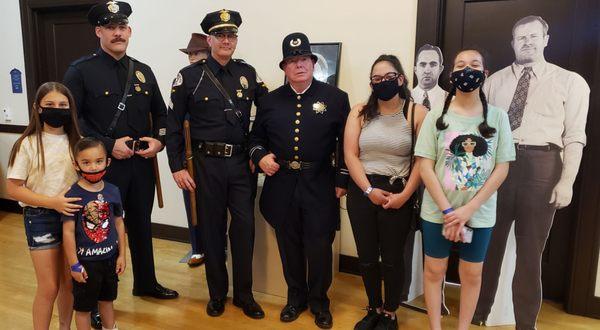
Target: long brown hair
point(370, 110)
point(36, 126)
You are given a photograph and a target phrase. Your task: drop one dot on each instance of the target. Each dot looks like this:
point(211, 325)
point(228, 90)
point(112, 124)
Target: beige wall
point(160, 28)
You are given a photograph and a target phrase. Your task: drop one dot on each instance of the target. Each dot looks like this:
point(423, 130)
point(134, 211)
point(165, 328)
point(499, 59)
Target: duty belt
point(548, 147)
point(220, 149)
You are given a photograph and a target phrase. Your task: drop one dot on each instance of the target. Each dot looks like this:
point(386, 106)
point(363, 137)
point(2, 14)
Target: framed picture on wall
point(327, 68)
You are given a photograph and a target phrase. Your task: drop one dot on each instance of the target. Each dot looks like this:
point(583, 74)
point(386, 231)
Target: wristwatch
point(368, 191)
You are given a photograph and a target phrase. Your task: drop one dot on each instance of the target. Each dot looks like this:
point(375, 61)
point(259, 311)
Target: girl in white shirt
point(40, 170)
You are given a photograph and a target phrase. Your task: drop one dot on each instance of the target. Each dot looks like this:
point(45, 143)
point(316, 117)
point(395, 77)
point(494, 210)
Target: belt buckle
point(295, 165)
point(228, 150)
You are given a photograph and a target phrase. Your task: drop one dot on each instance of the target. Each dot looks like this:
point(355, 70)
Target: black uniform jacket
point(306, 127)
point(97, 82)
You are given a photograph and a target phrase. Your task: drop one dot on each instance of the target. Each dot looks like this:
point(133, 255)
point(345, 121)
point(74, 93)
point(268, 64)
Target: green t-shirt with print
point(464, 160)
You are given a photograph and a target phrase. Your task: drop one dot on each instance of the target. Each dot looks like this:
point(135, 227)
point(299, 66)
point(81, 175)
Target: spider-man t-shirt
point(95, 233)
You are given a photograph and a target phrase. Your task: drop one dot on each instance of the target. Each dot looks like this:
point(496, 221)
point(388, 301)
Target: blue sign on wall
point(16, 81)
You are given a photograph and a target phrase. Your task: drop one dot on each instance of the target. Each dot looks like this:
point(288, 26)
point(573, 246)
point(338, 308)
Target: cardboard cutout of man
point(547, 107)
point(428, 67)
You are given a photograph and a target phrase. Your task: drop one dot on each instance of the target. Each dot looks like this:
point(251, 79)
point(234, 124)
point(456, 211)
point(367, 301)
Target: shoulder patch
point(178, 80)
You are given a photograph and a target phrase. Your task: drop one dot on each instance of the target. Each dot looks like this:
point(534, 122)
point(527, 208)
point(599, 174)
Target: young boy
point(94, 238)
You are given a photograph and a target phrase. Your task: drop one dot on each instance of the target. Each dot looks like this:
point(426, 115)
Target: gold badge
point(239, 93)
point(138, 88)
point(112, 7)
point(140, 76)
point(295, 42)
point(244, 82)
point(319, 107)
point(225, 17)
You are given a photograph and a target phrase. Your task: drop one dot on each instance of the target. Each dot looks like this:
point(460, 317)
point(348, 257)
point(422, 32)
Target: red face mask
point(92, 177)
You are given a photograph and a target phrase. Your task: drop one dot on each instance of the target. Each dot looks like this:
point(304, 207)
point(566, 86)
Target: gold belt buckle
point(295, 165)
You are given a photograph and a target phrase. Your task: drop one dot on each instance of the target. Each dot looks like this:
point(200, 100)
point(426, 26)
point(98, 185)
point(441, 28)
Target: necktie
point(517, 105)
point(426, 102)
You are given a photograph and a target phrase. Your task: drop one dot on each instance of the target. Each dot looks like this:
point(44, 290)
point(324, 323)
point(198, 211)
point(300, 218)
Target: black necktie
point(517, 105)
point(426, 102)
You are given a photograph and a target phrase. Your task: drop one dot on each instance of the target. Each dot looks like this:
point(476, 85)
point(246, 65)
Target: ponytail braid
point(485, 130)
point(440, 124)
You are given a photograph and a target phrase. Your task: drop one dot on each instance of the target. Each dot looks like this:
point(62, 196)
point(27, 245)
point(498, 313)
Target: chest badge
point(140, 76)
point(319, 107)
point(244, 82)
point(239, 93)
point(137, 88)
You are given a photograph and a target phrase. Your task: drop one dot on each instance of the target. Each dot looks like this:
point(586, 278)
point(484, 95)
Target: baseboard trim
point(349, 264)
point(9, 205)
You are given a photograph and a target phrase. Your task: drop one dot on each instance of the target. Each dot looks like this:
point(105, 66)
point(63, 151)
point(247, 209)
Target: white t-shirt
point(59, 173)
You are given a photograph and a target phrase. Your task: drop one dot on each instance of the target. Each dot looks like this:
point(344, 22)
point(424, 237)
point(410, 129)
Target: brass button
point(297, 122)
point(146, 92)
point(296, 148)
point(297, 130)
point(298, 114)
point(296, 138)
point(296, 157)
point(106, 93)
point(299, 105)
point(298, 97)
point(206, 98)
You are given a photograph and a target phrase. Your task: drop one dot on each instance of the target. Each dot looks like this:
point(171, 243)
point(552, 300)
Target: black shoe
point(158, 292)
point(369, 321)
point(324, 320)
point(215, 307)
point(252, 309)
point(95, 320)
point(478, 320)
point(387, 323)
point(290, 313)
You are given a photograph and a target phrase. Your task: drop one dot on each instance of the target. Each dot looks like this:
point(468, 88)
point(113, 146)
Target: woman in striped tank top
point(377, 148)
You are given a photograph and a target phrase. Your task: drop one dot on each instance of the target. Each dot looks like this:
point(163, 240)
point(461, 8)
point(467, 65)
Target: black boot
point(369, 321)
point(387, 323)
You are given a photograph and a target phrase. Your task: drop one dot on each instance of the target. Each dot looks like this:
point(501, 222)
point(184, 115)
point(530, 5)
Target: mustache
point(117, 40)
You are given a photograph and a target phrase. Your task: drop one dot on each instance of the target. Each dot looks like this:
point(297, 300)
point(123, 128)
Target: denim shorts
point(43, 228)
point(437, 246)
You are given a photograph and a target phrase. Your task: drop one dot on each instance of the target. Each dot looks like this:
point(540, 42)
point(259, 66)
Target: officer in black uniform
point(295, 134)
point(218, 93)
point(119, 117)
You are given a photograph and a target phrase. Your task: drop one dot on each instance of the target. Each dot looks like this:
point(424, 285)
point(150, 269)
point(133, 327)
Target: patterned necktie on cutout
point(426, 102)
point(517, 105)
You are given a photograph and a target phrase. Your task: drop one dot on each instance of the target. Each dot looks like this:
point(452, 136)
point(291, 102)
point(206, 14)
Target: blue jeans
point(43, 228)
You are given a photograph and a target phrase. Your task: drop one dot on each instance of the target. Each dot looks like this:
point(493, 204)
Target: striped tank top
point(385, 143)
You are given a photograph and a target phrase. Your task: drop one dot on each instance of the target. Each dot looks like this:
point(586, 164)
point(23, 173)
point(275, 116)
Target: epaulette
point(84, 59)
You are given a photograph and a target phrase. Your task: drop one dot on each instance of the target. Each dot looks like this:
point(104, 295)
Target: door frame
point(30, 9)
point(585, 237)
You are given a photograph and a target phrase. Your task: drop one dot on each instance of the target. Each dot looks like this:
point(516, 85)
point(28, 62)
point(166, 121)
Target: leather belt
point(296, 165)
point(548, 147)
point(220, 149)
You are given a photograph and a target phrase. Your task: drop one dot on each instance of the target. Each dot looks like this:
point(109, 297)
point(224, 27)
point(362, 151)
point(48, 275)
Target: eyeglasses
point(469, 143)
point(222, 36)
point(388, 76)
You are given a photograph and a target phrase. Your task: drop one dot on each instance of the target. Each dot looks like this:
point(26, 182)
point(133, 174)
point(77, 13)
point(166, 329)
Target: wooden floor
point(17, 287)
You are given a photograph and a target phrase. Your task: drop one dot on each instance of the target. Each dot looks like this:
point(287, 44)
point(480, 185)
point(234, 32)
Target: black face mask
point(55, 117)
point(467, 79)
point(385, 90)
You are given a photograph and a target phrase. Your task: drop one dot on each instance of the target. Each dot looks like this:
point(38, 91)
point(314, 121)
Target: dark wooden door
point(574, 44)
point(55, 33)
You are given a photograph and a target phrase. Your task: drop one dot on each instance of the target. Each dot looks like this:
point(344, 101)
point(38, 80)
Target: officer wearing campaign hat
point(296, 131)
point(115, 95)
point(197, 49)
point(217, 94)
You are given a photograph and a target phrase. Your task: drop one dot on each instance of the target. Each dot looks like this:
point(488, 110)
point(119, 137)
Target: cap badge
point(295, 42)
point(319, 107)
point(113, 7)
point(225, 17)
point(140, 76)
point(244, 82)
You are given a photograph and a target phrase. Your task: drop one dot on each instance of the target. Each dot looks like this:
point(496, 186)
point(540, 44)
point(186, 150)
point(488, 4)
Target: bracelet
point(448, 210)
point(77, 268)
point(368, 191)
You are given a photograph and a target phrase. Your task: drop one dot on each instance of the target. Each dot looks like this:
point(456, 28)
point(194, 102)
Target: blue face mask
point(467, 79)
